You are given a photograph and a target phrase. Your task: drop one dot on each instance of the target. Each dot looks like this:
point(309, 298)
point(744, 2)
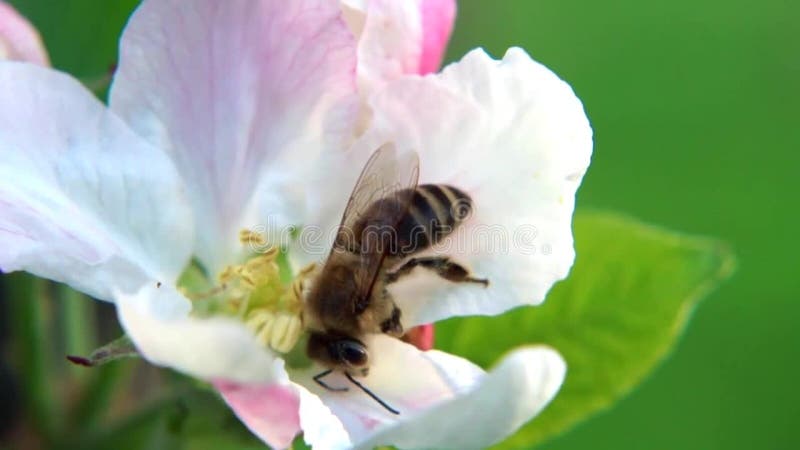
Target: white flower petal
point(444, 400)
point(401, 375)
point(321, 428)
point(513, 136)
point(502, 401)
point(83, 199)
point(157, 320)
point(239, 93)
point(389, 39)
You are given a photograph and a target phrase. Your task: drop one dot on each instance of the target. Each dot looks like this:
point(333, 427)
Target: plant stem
point(79, 326)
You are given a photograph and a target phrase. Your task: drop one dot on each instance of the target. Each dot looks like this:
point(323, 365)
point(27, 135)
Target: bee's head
point(339, 352)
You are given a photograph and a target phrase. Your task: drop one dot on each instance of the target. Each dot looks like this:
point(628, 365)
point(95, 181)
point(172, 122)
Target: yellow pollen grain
point(253, 291)
point(272, 311)
point(249, 237)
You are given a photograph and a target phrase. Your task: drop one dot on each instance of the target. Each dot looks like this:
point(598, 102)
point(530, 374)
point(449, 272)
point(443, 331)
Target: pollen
point(253, 292)
point(277, 330)
point(251, 238)
point(279, 325)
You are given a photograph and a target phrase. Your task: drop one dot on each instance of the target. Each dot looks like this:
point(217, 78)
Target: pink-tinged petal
point(270, 411)
point(390, 39)
point(157, 319)
point(444, 401)
point(438, 17)
point(398, 38)
point(420, 336)
point(277, 412)
point(240, 94)
point(514, 137)
point(490, 409)
point(19, 40)
point(83, 199)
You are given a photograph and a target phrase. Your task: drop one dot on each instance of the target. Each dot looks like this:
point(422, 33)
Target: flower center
point(254, 292)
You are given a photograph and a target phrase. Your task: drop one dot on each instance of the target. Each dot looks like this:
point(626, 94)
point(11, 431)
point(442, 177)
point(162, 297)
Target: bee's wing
point(379, 200)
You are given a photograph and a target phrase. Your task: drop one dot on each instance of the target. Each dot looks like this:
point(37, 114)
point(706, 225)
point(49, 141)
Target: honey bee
point(388, 219)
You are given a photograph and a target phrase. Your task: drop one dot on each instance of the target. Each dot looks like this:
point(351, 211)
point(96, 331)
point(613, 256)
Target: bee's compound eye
point(352, 352)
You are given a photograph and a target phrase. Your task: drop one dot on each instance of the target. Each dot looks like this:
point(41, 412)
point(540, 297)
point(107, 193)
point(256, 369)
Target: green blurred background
point(695, 112)
point(694, 106)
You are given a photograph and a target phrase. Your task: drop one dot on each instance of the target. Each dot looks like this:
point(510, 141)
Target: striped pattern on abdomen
point(435, 210)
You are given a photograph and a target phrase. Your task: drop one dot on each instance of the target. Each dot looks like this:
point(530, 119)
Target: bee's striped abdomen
point(435, 210)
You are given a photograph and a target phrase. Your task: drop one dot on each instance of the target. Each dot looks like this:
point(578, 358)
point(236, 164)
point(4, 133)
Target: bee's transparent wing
point(379, 200)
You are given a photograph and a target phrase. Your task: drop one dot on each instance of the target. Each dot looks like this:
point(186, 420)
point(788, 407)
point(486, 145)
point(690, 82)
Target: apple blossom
point(258, 115)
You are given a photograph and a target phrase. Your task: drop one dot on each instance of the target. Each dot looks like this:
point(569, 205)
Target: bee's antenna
point(371, 394)
point(318, 378)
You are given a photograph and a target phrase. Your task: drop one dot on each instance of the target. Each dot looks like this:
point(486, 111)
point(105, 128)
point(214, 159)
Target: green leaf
point(627, 300)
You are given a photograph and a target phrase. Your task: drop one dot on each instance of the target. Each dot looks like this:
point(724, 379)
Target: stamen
point(253, 291)
point(280, 328)
point(251, 238)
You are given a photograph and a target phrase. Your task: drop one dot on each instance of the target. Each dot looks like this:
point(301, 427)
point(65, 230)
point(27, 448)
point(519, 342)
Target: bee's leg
point(318, 378)
point(443, 267)
point(392, 325)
